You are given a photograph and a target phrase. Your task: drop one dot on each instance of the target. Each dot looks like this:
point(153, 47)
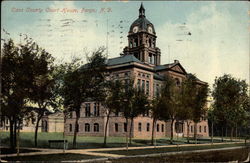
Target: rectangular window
point(70, 115)
point(147, 87)
point(143, 86)
point(87, 110)
point(138, 84)
point(205, 128)
point(148, 126)
point(191, 128)
point(200, 128)
point(157, 90)
point(70, 127)
point(158, 127)
point(162, 128)
point(125, 127)
point(96, 109)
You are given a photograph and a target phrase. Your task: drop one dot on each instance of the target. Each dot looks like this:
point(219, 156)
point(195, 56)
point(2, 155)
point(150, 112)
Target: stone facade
point(53, 122)
point(141, 61)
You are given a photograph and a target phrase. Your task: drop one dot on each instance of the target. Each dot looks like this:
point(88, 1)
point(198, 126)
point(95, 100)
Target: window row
point(87, 127)
point(88, 113)
point(96, 112)
point(121, 74)
point(144, 75)
point(200, 129)
point(150, 42)
point(147, 127)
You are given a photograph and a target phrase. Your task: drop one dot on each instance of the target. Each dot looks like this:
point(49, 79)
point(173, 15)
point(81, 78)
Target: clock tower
point(142, 41)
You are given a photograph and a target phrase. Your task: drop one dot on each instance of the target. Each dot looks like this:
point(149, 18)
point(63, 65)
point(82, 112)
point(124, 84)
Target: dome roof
point(142, 22)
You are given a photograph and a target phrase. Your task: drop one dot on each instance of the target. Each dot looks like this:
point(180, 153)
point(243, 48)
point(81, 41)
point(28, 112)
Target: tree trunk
point(15, 128)
point(172, 131)
point(231, 135)
point(222, 134)
point(226, 132)
point(212, 136)
point(236, 131)
point(18, 138)
point(188, 125)
point(153, 132)
point(75, 131)
point(36, 128)
point(11, 135)
point(64, 143)
point(195, 132)
point(127, 135)
point(105, 132)
point(130, 131)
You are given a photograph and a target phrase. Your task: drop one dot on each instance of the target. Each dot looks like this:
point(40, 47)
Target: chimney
point(176, 61)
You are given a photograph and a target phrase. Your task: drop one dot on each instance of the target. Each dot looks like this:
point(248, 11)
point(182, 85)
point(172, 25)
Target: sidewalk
point(97, 151)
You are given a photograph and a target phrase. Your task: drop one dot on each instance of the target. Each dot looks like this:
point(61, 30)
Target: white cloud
point(218, 44)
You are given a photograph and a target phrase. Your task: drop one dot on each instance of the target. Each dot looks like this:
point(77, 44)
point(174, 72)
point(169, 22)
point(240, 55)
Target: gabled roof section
point(176, 66)
point(122, 60)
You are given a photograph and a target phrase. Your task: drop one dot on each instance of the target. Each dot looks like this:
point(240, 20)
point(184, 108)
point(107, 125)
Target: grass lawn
point(51, 157)
point(84, 142)
point(169, 149)
point(210, 156)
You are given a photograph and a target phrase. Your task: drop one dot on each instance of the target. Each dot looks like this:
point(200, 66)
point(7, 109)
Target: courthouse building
point(141, 59)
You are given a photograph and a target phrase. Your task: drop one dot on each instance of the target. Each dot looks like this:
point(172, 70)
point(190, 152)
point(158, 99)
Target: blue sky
point(219, 42)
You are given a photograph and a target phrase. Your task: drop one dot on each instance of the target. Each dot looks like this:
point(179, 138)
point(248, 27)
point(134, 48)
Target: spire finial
point(142, 11)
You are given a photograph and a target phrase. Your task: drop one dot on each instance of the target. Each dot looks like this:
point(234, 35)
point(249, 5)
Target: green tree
point(188, 94)
point(229, 96)
point(20, 66)
point(199, 109)
point(213, 120)
point(170, 102)
point(82, 83)
point(112, 101)
point(139, 106)
point(134, 103)
point(155, 114)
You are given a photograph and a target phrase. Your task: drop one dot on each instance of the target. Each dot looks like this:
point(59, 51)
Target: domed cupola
point(142, 24)
point(142, 41)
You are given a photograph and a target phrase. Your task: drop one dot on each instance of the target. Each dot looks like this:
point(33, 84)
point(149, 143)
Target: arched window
point(158, 127)
point(135, 42)
point(177, 82)
point(96, 127)
point(70, 127)
point(130, 44)
point(191, 128)
point(139, 126)
point(162, 128)
point(87, 127)
point(148, 126)
point(77, 128)
point(205, 128)
point(200, 128)
point(116, 127)
point(178, 127)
